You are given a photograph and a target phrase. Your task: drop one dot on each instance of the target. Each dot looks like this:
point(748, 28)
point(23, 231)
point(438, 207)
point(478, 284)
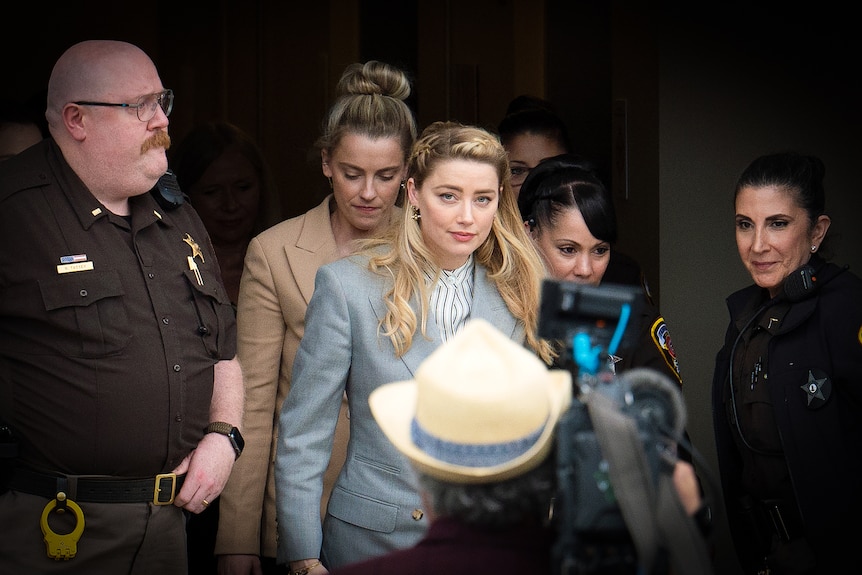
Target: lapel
point(314, 247)
point(422, 346)
point(487, 304)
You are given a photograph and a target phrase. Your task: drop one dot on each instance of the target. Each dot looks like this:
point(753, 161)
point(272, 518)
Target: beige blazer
point(276, 286)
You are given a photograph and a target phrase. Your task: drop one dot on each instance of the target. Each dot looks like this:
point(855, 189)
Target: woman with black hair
point(786, 396)
point(571, 218)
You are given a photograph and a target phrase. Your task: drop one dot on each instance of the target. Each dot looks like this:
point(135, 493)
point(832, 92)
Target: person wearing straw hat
point(477, 424)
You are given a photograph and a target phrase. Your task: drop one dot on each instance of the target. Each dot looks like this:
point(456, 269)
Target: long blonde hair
point(508, 253)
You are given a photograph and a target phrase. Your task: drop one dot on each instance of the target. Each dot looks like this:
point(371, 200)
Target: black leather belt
point(158, 490)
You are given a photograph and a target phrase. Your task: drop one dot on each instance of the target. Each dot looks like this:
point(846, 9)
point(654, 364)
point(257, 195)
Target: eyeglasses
point(146, 105)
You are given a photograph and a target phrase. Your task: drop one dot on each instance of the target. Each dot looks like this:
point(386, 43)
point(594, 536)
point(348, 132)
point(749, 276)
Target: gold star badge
point(196, 249)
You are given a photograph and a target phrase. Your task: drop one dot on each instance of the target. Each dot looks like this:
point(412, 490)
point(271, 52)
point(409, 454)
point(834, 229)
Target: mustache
point(158, 140)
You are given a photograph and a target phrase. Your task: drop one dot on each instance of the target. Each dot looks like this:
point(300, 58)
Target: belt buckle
point(158, 488)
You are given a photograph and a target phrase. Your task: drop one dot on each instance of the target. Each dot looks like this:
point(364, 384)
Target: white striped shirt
point(452, 299)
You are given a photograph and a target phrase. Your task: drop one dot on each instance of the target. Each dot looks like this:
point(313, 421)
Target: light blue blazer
point(375, 506)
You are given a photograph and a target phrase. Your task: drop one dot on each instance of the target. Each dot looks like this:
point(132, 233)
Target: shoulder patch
point(661, 338)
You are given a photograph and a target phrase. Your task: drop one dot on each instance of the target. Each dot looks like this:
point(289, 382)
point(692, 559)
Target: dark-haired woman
point(571, 218)
point(787, 391)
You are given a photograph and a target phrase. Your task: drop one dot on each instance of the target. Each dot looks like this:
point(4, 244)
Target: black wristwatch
point(236, 440)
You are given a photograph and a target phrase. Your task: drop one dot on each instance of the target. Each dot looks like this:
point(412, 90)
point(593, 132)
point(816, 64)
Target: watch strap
point(229, 431)
point(219, 427)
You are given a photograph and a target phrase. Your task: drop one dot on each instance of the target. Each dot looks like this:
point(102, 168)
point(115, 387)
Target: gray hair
point(525, 499)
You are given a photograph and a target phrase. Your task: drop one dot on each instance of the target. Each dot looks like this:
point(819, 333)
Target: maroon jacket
point(454, 548)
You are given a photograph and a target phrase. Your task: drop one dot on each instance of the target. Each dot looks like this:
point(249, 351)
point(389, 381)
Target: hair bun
point(374, 78)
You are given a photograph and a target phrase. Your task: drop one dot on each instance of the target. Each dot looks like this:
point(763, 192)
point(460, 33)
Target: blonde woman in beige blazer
point(364, 147)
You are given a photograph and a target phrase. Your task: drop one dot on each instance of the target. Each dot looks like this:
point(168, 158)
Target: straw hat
point(481, 408)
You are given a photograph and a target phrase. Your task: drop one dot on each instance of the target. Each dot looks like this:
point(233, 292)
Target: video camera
point(591, 323)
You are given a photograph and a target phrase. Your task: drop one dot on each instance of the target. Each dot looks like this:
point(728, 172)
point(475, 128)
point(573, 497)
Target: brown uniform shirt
point(108, 337)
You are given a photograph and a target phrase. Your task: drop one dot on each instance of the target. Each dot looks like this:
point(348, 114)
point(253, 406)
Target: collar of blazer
point(487, 304)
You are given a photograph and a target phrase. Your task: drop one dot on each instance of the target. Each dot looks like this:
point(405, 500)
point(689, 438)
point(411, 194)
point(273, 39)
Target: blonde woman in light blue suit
point(460, 252)
point(364, 146)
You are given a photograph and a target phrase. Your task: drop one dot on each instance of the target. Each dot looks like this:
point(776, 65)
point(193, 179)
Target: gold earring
point(415, 216)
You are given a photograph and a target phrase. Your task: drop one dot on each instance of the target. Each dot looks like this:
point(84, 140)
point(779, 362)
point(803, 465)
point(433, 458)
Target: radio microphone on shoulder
point(800, 284)
point(168, 193)
point(803, 283)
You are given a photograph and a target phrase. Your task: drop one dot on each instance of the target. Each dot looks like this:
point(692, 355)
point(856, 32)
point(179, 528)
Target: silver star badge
point(816, 388)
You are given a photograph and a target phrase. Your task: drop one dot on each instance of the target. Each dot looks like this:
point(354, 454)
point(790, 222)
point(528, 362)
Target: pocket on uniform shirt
point(87, 312)
point(211, 306)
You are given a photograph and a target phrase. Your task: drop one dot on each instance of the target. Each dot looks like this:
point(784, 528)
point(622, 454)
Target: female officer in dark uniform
point(571, 218)
point(787, 392)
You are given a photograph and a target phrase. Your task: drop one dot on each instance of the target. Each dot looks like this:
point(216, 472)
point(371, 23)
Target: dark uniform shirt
point(765, 473)
point(807, 394)
point(108, 336)
point(649, 346)
point(654, 348)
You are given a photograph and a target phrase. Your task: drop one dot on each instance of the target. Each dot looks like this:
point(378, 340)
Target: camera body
point(591, 323)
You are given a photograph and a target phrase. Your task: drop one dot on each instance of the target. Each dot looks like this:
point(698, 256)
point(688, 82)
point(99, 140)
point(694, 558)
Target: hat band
point(472, 454)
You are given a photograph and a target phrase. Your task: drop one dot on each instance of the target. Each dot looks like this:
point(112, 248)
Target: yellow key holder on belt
point(62, 546)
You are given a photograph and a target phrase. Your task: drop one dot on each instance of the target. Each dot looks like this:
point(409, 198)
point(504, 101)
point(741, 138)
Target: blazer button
point(418, 514)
